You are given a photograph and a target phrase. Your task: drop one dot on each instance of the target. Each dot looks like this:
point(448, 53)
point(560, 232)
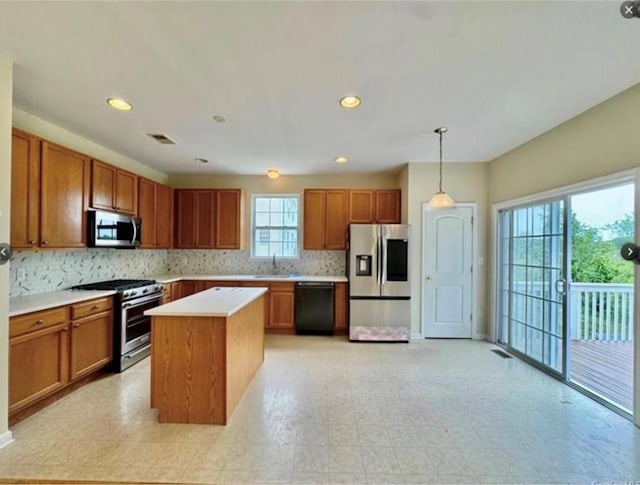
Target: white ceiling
point(496, 73)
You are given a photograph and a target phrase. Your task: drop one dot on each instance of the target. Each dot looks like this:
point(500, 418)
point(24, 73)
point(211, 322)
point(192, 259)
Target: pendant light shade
point(441, 199)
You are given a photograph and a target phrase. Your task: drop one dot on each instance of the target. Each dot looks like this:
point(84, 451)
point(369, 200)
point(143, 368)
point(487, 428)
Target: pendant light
point(441, 199)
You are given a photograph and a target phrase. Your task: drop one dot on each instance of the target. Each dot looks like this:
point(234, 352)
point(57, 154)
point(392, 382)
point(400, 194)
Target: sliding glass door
point(533, 284)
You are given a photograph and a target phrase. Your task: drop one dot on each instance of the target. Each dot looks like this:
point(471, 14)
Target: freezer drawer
point(380, 320)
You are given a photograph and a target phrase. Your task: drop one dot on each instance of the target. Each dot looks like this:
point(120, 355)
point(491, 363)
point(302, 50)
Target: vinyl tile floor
point(323, 410)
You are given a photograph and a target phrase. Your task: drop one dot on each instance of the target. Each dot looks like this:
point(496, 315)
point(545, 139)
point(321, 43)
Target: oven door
point(136, 326)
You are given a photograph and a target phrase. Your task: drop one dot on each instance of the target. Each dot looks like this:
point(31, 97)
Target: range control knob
point(125, 295)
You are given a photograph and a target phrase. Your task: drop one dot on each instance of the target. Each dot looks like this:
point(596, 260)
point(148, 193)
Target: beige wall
point(465, 182)
point(403, 184)
point(6, 97)
point(56, 134)
point(291, 184)
point(600, 141)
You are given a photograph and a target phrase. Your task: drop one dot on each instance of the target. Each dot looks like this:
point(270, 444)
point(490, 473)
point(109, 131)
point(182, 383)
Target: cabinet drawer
point(80, 310)
point(282, 286)
point(36, 321)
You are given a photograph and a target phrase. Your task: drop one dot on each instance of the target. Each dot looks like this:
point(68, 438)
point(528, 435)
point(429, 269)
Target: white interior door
point(447, 278)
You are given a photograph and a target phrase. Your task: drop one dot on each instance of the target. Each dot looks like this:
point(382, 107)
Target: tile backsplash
point(43, 271)
point(199, 262)
point(58, 270)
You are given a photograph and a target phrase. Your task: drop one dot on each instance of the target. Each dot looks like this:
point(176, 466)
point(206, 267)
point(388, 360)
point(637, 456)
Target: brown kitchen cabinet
point(281, 311)
point(188, 288)
point(38, 356)
point(113, 189)
point(64, 195)
point(340, 305)
point(50, 190)
point(229, 219)
point(387, 206)
point(325, 219)
point(25, 190)
point(91, 345)
point(361, 207)
point(155, 209)
point(195, 219)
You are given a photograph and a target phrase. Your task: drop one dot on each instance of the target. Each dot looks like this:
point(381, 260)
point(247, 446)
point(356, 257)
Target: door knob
point(429, 278)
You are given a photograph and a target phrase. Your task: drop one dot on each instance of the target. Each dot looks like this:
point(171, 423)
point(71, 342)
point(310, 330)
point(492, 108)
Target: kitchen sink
point(272, 276)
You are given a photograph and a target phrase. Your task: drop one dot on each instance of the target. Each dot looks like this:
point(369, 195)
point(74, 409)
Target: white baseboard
point(6, 438)
point(416, 336)
point(480, 336)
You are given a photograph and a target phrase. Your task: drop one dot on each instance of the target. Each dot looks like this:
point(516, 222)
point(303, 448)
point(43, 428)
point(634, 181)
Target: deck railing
point(601, 311)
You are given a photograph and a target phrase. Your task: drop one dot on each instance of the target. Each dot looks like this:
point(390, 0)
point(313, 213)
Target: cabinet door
point(103, 181)
point(126, 192)
point(147, 210)
point(314, 219)
point(361, 207)
point(164, 217)
point(205, 219)
point(91, 344)
point(336, 219)
point(185, 218)
point(25, 190)
point(340, 308)
point(38, 365)
point(188, 288)
point(281, 306)
point(64, 195)
point(229, 210)
point(388, 206)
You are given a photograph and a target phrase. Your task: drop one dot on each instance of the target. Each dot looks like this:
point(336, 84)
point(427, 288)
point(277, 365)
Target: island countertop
point(215, 302)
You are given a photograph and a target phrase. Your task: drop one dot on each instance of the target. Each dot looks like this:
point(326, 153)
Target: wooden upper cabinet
point(113, 189)
point(335, 222)
point(314, 216)
point(388, 206)
point(195, 219)
point(164, 217)
point(64, 183)
point(147, 211)
point(25, 190)
point(229, 220)
point(361, 207)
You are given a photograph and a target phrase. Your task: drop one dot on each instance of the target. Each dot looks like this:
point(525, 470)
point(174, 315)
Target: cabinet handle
point(44, 243)
point(33, 242)
point(95, 307)
point(65, 329)
point(76, 325)
point(39, 322)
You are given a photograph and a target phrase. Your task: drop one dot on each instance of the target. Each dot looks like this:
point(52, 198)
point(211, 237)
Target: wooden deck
point(605, 368)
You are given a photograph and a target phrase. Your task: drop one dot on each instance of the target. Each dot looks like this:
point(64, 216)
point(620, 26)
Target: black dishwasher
point(314, 307)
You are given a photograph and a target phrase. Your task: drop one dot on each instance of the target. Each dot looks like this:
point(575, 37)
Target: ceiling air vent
point(160, 138)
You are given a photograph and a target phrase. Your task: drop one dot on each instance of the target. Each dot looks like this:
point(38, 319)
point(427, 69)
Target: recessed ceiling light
point(350, 101)
point(201, 160)
point(272, 173)
point(120, 104)
point(342, 160)
point(219, 119)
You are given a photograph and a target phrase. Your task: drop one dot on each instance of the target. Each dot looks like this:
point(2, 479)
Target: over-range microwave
point(111, 230)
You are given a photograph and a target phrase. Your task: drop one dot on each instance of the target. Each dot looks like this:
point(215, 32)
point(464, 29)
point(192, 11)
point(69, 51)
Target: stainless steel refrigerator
point(378, 267)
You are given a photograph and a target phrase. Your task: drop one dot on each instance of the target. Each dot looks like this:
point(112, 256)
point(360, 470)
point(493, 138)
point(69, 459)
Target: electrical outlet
point(22, 274)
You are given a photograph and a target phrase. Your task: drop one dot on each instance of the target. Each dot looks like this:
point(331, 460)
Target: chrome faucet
point(274, 269)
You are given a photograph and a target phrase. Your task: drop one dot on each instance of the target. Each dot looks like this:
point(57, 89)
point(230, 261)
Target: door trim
point(477, 265)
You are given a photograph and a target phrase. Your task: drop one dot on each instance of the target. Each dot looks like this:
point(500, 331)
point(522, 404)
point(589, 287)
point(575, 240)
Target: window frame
point(253, 227)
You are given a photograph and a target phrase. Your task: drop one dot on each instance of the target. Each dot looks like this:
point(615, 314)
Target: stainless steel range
point(132, 329)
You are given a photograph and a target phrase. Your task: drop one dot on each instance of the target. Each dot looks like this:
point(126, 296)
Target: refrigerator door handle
point(378, 268)
point(383, 254)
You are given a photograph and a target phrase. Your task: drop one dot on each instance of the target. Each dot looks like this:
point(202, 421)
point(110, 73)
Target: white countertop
point(215, 302)
point(43, 301)
point(169, 278)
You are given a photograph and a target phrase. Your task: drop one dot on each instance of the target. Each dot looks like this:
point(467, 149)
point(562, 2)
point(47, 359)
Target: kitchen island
point(205, 350)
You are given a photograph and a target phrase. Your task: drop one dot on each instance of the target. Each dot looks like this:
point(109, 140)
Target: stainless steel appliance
point(111, 230)
point(378, 267)
point(131, 329)
point(314, 307)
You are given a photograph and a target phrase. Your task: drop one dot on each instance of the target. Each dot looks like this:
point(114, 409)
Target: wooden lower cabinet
point(52, 348)
point(282, 314)
point(188, 288)
point(340, 305)
point(38, 365)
